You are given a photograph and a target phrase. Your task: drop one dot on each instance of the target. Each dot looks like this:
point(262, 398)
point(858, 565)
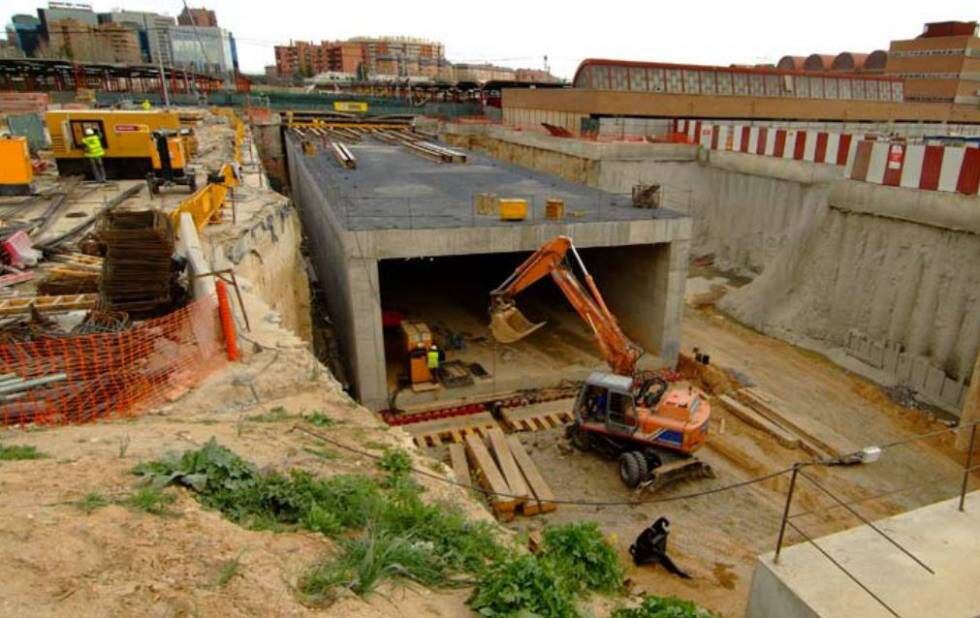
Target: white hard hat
point(89, 132)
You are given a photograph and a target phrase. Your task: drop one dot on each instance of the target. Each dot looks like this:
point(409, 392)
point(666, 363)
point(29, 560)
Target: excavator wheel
point(633, 468)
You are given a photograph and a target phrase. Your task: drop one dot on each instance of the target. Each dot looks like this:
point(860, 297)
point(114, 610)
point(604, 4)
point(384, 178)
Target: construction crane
point(633, 416)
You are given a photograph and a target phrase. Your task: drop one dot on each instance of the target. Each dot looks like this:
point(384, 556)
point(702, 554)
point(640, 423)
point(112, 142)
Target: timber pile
point(502, 467)
point(137, 271)
point(764, 411)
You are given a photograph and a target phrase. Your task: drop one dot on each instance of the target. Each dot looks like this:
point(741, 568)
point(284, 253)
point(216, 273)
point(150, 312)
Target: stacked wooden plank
point(503, 468)
point(47, 304)
point(453, 429)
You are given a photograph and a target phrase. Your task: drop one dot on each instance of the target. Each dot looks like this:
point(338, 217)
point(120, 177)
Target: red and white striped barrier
point(915, 166)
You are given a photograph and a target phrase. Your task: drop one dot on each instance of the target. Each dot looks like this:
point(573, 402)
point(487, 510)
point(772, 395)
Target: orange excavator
point(632, 416)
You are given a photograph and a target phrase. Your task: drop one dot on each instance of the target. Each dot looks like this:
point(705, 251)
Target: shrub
point(663, 607)
point(523, 585)
point(580, 555)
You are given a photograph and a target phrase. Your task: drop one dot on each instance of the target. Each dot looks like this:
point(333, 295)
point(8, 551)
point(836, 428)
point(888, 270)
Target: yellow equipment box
point(512, 209)
point(16, 173)
point(125, 137)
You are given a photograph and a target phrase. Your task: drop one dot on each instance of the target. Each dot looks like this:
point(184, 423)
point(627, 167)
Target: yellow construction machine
point(131, 151)
point(634, 416)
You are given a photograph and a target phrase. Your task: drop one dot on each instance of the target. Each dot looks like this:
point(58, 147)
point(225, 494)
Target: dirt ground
point(716, 538)
point(57, 560)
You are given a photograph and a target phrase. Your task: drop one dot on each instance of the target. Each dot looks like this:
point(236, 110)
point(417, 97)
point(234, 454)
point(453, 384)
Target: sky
point(520, 33)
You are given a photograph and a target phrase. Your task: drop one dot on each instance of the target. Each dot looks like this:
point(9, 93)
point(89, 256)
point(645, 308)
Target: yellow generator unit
point(16, 173)
point(125, 134)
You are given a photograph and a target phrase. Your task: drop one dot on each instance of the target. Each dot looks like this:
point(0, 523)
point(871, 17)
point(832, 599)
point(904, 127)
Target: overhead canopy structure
point(34, 74)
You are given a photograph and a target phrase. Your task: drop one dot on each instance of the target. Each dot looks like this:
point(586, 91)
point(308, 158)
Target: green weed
point(319, 419)
point(19, 452)
point(274, 415)
point(366, 560)
point(92, 501)
point(663, 607)
point(396, 462)
point(227, 572)
point(580, 555)
point(523, 586)
point(322, 453)
point(150, 499)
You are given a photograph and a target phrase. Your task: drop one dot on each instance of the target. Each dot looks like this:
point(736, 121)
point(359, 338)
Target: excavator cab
point(607, 401)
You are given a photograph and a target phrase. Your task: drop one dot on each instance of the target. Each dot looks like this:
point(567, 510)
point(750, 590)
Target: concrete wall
point(644, 288)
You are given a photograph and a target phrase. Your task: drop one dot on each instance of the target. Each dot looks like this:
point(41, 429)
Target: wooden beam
point(489, 477)
point(457, 458)
point(505, 460)
point(754, 419)
point(544, 497)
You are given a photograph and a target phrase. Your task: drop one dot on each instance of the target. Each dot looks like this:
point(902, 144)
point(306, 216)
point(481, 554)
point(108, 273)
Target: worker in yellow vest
point(433, 359)
point(146, 105)
point(94, 153)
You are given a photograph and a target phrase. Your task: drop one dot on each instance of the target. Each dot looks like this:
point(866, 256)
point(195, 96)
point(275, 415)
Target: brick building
point(940, 65)
point(202, 17)
point(401, 56)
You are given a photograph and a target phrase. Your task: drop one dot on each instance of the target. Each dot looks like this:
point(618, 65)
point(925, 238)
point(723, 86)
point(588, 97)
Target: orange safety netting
point(79, 378)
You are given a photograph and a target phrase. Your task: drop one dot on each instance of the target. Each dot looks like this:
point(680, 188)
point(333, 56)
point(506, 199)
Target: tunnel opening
point(451, 296)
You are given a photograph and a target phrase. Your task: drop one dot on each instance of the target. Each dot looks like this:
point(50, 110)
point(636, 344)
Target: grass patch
point(367, 560)
point(663, 607)
point(379, 523)
point(228, 571)
point(92, 501)
point(322, 453)
point(375, 446)
point(385, 531)
point(580, 555)
point(150, 499)
point(523, 586)
point(275, 415)
point(319, 419)
point(574, 559)
point(19, 452)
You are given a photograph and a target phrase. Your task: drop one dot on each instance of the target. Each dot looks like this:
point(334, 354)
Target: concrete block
point(952, 392)
point(935, 378)
point(890, 360)
point(920, 369)
point(903, 371)
point(876, 354)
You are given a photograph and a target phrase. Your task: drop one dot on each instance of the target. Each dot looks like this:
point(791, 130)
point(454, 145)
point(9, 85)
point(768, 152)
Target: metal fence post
point(789, 502)
point(969, 465)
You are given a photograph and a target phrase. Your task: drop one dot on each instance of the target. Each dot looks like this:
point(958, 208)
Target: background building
point(940, 65)
point(24, 31)
point(205, 49)
point(393, 56)
point(202, 17)
point(153, 31)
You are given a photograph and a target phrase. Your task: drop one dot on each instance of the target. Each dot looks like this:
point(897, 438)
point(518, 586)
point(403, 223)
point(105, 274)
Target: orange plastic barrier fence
point(80, 378)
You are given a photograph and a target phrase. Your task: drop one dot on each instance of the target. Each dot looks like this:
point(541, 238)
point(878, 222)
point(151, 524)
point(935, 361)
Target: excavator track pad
point(508, 324)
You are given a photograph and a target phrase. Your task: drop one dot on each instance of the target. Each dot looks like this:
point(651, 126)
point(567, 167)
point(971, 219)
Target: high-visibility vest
point(146, 104)
point(93, 146)
point(433, 358)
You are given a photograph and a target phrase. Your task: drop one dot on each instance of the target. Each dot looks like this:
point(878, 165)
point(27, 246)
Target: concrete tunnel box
point(439, 264)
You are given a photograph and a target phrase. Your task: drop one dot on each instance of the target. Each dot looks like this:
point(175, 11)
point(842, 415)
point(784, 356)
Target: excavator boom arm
point(615, 347)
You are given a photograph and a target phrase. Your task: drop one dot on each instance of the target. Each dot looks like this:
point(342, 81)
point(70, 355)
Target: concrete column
point(365, 336)
point(971, 407)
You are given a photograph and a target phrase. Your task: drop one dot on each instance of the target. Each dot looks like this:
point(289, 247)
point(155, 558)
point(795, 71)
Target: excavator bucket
point(508, 324)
